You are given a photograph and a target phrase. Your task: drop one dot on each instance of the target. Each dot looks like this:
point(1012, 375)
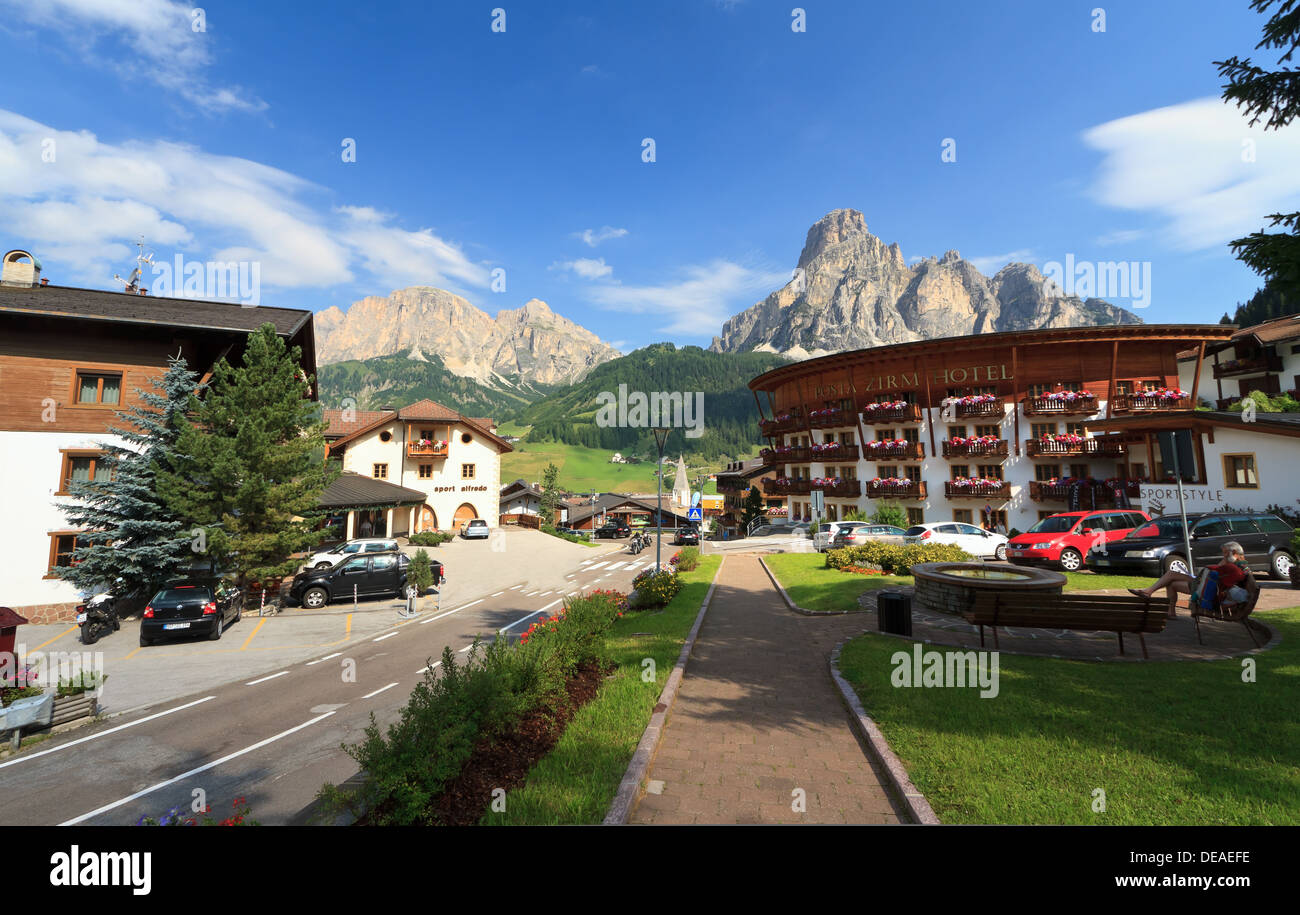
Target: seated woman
point(1232, 575)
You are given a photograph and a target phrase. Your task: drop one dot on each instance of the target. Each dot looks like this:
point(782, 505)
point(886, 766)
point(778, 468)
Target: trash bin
point(894, 612)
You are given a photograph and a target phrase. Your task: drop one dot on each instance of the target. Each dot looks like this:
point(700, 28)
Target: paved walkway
point(758, 717)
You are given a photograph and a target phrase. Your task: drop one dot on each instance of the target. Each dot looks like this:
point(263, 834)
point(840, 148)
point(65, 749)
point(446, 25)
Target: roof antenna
point(132, 284)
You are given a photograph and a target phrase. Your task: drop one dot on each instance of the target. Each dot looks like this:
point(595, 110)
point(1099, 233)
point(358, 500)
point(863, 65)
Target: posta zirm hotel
point(1011, 427)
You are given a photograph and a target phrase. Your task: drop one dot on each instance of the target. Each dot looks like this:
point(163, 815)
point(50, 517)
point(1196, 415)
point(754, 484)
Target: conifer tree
point(138, 538)
point(250, 462)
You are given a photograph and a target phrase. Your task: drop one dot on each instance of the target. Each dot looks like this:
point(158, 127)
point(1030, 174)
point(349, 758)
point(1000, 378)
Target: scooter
point(97, 617)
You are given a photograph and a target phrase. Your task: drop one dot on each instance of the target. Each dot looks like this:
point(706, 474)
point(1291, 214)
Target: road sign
point(818, 500)
point(695, 514)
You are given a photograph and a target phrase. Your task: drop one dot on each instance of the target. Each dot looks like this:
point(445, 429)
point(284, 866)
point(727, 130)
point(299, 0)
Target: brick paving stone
point(758, 716)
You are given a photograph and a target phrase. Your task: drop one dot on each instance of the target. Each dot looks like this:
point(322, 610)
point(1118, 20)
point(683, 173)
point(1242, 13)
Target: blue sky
point(522, 150)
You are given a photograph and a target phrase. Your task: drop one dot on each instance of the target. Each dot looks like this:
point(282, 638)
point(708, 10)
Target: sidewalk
point(758, 717)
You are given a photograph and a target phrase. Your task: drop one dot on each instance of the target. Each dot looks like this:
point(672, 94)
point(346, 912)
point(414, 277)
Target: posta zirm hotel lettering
point(905, 380)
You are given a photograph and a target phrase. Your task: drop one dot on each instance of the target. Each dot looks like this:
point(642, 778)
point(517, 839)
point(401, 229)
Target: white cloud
point(586, 267)
point(1191, 164)
point(83, 210)
point(593, 237)
point(149, 39)
point(699, 302)
point(1120, 237)
point(994, 262)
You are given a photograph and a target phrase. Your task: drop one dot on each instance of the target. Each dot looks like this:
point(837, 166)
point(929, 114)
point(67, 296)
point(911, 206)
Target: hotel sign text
point(971, 374)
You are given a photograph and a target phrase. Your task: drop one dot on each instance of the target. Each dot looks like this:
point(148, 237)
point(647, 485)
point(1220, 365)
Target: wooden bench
point(1083, 612)
point(1232, 613)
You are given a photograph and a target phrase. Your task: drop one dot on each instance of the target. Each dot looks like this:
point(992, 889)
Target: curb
point(913, 800)
point(629, 789)
point(795, 607)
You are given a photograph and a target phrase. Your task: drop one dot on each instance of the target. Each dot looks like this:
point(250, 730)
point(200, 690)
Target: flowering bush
point(887, 443)
point(654, 588)
point(895, 482)
point(862, 570)
point(825, 447)
point(885, 405)
point(687, 559)
point(1161, 394)
point(971, 399)
point(1067, 396)
point(174, 817)
point(1063, 438)
point(975, 482)
point(894, 558)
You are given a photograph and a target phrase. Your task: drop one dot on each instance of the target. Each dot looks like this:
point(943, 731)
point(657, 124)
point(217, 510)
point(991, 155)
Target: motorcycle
point(638, 543)
point(98, 617)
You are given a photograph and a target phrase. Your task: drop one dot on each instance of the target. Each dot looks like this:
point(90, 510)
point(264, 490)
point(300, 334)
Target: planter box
point(908, 451)
point(907, 413)
point(992, 449)
point(1045, 406)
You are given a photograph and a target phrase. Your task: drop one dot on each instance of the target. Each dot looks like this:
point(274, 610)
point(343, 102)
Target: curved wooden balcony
point(1047, 405)
point(844, 489)
point(999, 489)
point(904, 451)
point(913, 489)
point(827, 419)
point(979, 449)
point(907, 413)
point(1143, 403)
point(987, 408)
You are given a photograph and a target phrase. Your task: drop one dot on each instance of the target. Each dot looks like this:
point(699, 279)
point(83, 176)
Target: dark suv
point(687, 535)
point(613, 529)
point(189, 606)
point(368, 575)
point(1158, 546)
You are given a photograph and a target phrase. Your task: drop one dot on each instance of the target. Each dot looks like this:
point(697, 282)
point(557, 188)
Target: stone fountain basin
point(950, 587)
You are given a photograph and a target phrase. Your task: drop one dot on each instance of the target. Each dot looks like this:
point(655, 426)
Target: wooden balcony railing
point(983, 408)
point(1253, 365)
point(732, 484)
point(1092, 447)
point(1060, 405)
point(781, 424)
point(894, 451)
point(1148, 403)
point(906, 413)
point(434, 449)
point(841, 489)
point(975, 449)
point(826, 419)
point(1092, 493)
point(977, 489)
point(831, 452)
point(788, 487)
point(795, 454)
point(912, 489)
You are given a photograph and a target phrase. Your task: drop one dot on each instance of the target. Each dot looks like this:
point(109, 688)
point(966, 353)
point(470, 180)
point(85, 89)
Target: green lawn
point(577, 780)
point(584, 469)
point(814, 587)
point(1169, 742)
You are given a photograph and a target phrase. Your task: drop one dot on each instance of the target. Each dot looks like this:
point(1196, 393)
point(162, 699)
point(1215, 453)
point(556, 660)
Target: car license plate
point(81, 618)
point(1014, 552)
point(176, 625)
point(1101, 562)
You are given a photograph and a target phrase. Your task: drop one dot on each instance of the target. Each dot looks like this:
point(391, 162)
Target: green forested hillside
point(398, 380)
point(730, 421)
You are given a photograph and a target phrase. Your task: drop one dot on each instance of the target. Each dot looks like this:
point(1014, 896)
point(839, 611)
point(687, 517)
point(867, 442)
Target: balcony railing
point(433, 449)
point(901, 413)
point(1092, 447)
point(1154, 402)
point(784, 423)
point(975, 449)
point(790, 454)
point(732, 484)
point(977, 489)
point(1061, 404)
point(1092, 493)
point(1253, 365)
point(826, 419)
point(979, 408)
point(840, 489)
point(786, 487)
point(911, 489)
point(894, 451)
point(833, 451)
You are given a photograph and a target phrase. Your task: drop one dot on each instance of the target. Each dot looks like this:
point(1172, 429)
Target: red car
point(1065, 539)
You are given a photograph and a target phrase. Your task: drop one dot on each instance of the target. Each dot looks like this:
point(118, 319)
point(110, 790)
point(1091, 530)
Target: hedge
point(895, 558)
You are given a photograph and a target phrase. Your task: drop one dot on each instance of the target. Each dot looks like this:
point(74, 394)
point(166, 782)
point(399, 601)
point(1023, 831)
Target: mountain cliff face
point(854, 291)
point(531, 344)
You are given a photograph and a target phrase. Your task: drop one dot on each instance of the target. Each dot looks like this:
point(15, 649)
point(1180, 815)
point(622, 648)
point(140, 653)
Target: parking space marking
point(195, 771)
point(256, 629)
point(382, 637)
point(120, 727)
point(264, 679)
point(72, 628)
point(326, 658)
point(380, 690)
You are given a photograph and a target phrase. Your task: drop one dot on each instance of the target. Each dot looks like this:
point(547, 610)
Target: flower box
point(891, 411)
point(975, 405)
point(977, 487)
point(975, 446)
point(1061, 402)
point(894, 450)
point(895, 488)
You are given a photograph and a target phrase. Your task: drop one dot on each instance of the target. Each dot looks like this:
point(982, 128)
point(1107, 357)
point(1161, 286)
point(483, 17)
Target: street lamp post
point(661, 438)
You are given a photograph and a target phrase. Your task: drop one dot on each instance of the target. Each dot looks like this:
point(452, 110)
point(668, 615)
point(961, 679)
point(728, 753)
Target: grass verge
point(577, 780)
point(1169, 743)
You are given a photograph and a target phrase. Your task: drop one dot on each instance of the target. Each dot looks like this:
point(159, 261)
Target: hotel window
point(889, 470)
point(991, 471)
point(1079, 471)
point(427, 435)
point(99, 387)
point(958, 431)
point(1138, 471)
point(1076, 429)
point(883, 435)
point(1045, 472)
point(1039, 390)
point(426, 471)
point(960, 470)
point(846, 438)
point(912, 435)
point(915, 516)
point(80, 467)
point(987, 430)
point(1123, 387)
point(962, 515)
point(913, 473)
point(467, 471)
point(998, 516)
point(849, 473)
point(61, 549)
point(1239, 471)
point(380, 472)
point(1038, 430)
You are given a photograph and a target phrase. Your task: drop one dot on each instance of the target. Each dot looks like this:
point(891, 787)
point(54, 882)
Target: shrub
point(420, 572)
point(894, 558)
point(572, 538)
point(654, 589)
point(687, 559)
point(888, 513)
point(430, 538)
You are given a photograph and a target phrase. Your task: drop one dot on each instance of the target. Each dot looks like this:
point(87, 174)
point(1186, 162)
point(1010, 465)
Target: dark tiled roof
point(428, 410)
point(609, 500)
point(1287, 328)
point(129, 308)
point(352, 489)
point(359, 420)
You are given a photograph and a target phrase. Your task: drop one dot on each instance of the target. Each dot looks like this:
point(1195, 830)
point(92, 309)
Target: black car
point(369, 575)
point(191, 606)
point(687, 536)
point(1158, 545)
point(613, 529)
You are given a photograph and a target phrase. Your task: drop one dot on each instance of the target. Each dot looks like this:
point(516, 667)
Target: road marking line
point(514, 588)
point(450, 612)
point(429, 668)
point(264, 679)
point(326, 658)
point(544, 593)
point(382, 637)
point(203, 768)
point(380, 690)
point(498, 594)
point(256, 630)
point(529, 616)
point(597, 566)
point(71, 628)
point(615, 565)
point(120, 727)
point(465, 649)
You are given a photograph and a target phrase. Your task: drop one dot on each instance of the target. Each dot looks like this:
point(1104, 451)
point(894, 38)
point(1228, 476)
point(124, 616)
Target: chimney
point(20, 268)
point(44, 281)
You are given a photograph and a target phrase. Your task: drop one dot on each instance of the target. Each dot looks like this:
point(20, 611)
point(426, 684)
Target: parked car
point(1159, 546)
point(780, 529)
point(687, 536)
point(1064, 540)
point(857, 536)
point(191, 606)
point(475, 528)
point(326, 558)
point(823, 539)
point(370, 574)
point(613, 529)
point(974, 540)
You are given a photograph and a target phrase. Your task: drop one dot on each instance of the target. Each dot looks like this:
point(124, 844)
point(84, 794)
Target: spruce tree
point(550, 493)
point(250, 462)
point(138, 538)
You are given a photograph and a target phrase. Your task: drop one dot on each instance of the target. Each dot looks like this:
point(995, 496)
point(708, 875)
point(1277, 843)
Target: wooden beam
point(1196, 379)
point(1015, 394)
point(1110, 391)
point(1217, 380)
point(929, 402)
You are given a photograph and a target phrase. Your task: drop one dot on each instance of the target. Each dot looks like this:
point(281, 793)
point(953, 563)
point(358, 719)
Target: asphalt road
point(273, 740)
